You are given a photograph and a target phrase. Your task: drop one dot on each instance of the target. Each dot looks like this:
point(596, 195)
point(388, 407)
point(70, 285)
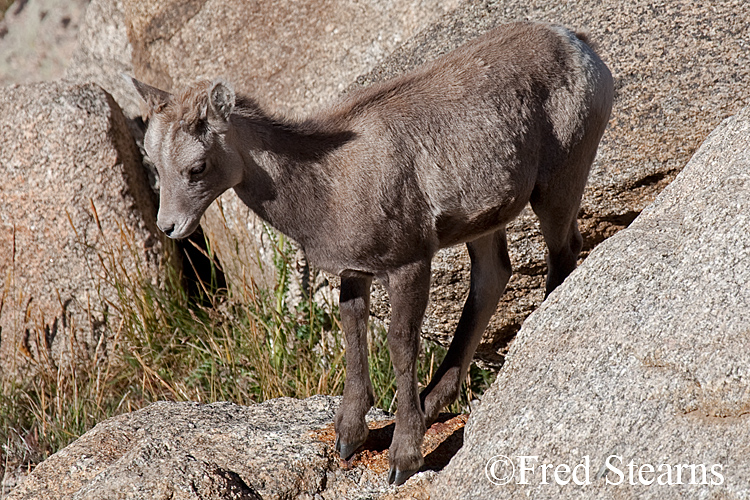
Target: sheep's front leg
point(408, 289)
point(354, 306)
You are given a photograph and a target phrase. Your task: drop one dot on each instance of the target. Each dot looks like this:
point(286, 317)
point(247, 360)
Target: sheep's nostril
point(167, 229)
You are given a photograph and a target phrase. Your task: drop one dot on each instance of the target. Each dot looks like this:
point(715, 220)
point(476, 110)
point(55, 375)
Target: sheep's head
point(187, 141)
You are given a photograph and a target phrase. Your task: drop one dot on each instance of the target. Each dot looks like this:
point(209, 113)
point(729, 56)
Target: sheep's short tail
point(584, 37)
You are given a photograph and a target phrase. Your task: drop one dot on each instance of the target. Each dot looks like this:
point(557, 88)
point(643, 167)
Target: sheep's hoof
point(398, 477)
point(346, 450)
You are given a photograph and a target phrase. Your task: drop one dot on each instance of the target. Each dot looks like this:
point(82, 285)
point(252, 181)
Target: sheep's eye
point(198, 169)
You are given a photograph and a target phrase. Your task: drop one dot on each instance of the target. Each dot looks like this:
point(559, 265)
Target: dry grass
point(165, 345)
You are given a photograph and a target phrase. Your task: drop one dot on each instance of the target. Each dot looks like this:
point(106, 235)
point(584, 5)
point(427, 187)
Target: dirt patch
point(442, 440)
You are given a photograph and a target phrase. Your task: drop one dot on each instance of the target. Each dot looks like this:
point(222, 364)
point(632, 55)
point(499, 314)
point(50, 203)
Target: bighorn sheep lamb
point(374, 185)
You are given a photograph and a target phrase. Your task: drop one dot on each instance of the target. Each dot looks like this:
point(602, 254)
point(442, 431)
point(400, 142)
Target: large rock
point(680, 68)
point(279, 449)
point(642, 353)
point(292, 56)
point(104, 54)
point(76, 214)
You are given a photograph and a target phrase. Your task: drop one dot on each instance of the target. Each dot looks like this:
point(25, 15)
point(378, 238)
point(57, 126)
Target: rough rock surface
point(680, 68)
point(37, 39)
point(292, 56)
point(72, 196)
point(282, 448)
point(641, 353)
point(104, 53)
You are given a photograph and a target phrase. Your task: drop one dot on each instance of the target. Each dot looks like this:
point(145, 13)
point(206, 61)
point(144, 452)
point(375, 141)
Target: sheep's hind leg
point(557, 210)
point(490, 272)
point(354, 307)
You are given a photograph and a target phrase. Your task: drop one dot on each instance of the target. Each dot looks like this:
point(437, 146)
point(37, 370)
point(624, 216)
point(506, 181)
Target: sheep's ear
point(220, 101)
point(154, 98)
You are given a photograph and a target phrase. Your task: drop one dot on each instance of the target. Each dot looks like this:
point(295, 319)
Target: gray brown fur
point(373, 186)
